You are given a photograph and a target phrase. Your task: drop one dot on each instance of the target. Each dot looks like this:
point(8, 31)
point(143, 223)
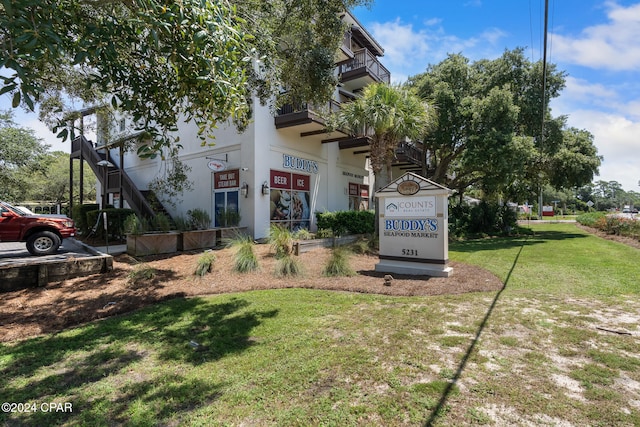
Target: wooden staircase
point(117, 180)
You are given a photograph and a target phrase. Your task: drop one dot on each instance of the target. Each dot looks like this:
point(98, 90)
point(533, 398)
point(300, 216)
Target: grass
point(528, 355)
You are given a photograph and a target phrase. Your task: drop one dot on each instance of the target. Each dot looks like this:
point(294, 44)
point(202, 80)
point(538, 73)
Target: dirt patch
point(31, 312)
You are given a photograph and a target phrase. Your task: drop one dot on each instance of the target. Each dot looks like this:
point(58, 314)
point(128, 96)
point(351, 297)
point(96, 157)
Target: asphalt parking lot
point(15, 253)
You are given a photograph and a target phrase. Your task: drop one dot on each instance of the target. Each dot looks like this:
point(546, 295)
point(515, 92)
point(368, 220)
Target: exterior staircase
point(116, 180)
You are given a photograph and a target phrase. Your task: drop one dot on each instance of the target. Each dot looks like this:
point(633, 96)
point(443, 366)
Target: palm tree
point(386, 114)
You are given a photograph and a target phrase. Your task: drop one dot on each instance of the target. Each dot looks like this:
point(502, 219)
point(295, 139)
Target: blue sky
point(596, 42)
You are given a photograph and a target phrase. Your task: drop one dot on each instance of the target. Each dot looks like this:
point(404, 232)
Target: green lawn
point(539, 352)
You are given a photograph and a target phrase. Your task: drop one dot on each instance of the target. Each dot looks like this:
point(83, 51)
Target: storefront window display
point(290, 199)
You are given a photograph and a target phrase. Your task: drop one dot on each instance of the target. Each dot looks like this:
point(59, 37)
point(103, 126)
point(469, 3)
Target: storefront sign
point(227, 179)
point(413, 228)
point(217, 165)
point(296, 163)
point(420, 206)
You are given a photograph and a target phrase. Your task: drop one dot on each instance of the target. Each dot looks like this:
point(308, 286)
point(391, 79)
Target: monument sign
point(414, 227)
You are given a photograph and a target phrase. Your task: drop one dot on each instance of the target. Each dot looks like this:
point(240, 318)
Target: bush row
point(482, 219)
point(611, 224)
point(346, 222)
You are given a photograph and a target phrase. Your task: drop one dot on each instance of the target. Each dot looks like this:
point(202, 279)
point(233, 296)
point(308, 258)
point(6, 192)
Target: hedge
point(115, 221)
point(79, 216)
point(346, 222)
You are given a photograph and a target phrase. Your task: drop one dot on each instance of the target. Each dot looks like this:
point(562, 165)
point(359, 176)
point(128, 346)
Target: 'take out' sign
point(413, 227)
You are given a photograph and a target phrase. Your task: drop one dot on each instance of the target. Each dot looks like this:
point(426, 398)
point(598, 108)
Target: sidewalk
point(112, 249)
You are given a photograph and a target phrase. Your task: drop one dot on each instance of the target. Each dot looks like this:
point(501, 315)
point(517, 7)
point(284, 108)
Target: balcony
point(307, 119)
point(363, 69)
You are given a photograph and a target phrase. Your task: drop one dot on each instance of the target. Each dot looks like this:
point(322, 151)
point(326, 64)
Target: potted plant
point(198, 233)
point(144, 238)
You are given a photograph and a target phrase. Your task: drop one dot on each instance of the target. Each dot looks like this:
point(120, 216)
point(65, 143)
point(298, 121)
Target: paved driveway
point(17, 254)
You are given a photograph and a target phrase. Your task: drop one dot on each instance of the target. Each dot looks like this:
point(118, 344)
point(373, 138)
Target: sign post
point(414, 227)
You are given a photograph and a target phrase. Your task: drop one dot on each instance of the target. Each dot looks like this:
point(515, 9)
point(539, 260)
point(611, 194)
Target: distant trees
point(488, 135)
point(22, 155)
point(28, 172)
point(607, 195)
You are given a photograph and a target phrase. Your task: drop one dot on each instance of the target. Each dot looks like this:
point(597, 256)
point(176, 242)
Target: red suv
point(43, 233)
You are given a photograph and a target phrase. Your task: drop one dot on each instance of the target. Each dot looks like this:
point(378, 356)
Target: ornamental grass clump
point(245, 259)
point(281, 241)
point(338, 264)
point(204, 264)
point(288, 266)
point(143, 273)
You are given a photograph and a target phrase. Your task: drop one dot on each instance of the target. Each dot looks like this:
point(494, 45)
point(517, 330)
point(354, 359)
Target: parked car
point(42, 233)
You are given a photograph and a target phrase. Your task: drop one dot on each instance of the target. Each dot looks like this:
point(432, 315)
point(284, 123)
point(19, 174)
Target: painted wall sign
point(217, 165)
point(297, 163)
point(409, 207)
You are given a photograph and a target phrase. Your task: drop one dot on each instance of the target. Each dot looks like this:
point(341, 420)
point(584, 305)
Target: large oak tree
point(162, 61)
point(489, 133)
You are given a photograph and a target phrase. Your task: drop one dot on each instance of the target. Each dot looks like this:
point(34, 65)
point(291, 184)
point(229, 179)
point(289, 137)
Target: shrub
point(324, 233)
point(288, 266)
point(245, 259)
point(482, 219)
point(142, 273)
point(79, 216)
point(303, 234)
point(281, 240)
point(204, 263)
point(181, 223)
point(590, 219)
point(161, 222)
point(364, 245)
point(135, 225)
point(228, 217)
point(115, 222)
point(351, 222)
point(338, 264)
point(198, 219)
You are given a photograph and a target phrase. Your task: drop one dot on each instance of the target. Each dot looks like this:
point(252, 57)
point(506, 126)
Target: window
point(358, 197)
point(290, 200)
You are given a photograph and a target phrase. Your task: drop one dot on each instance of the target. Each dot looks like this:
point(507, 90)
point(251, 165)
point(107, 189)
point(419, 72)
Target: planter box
point(197, 239)
point(152, 243)
point(302, 246)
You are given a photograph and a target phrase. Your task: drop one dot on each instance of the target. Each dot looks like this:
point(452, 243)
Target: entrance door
point(226, 209)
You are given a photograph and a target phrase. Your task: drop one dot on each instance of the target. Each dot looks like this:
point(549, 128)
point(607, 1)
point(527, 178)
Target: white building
point(280, 169)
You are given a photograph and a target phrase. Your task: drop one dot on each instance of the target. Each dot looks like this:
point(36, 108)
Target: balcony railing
point(331, 107)
point(365, 60)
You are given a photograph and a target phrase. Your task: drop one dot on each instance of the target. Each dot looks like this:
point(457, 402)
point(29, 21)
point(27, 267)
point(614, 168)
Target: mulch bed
point(57, 306)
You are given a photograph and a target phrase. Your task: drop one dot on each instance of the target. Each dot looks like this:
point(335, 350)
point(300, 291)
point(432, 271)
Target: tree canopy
point(162, 61)
point(489, 127)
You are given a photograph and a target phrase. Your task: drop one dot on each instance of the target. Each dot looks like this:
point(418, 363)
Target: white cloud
point(616, 138)
point(612, 46)
point(408, 51)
